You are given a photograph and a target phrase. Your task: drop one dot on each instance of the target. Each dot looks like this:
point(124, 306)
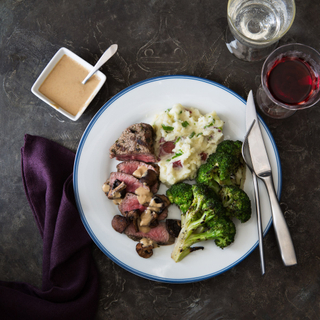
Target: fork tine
point(245, 143)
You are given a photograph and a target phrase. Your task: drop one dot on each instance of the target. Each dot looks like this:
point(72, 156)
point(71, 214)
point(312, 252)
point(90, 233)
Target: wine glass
point(256, 26)
point(289, 81)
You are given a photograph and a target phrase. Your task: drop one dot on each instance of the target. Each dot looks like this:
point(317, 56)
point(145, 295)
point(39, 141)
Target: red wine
point(292, 81)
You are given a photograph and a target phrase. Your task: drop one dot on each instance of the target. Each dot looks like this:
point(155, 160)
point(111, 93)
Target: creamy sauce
point(140, 172)
point(117, 201)
point(144, 229)
point(148, 242)
point(146, 218)
point(63, 85)
point(105, 188)
point(144, 195)
point(154, 206)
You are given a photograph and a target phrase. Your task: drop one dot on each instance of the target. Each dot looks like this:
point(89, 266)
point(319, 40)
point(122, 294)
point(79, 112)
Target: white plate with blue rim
point(140, 103)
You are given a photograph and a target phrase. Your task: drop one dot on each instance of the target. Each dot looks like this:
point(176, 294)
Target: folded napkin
point(70, 279)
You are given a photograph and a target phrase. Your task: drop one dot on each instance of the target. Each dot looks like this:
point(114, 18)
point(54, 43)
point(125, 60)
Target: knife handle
point(280, 226)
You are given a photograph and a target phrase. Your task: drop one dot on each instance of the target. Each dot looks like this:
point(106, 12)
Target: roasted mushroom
point(118, 190)
point(159, 203)
point(149, 177)
point(134, 216)
point(148, 218)
point(120, 223)
point(145, 248)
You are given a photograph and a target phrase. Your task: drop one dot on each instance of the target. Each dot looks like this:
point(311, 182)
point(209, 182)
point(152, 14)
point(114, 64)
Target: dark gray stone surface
point(30, 34)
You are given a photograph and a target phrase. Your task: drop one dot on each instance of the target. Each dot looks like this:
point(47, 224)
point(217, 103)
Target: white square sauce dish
point(60, 84)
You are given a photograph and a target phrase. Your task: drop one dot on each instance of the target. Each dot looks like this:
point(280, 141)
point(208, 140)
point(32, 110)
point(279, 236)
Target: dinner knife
point(256, 194)
point(262, 169)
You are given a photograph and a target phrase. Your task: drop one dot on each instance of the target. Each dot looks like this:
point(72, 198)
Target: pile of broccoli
point(208, 206)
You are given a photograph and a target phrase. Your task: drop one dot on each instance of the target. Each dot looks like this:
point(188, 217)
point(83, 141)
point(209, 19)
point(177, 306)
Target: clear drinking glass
point(256, 26)
point(289, 81)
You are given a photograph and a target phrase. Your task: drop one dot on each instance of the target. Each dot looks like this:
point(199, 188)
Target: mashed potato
point(184, 139)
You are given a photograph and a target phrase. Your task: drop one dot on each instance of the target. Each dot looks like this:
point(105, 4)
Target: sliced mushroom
point(145, 248)
point(118, 190)
point(149, 177)
point(148, 218)
point(134, 216)
point(140, 172)
point(144, 252)
point(158, 203)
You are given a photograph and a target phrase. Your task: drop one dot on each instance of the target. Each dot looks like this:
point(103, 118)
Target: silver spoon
point(256, 195)
point(104, 58)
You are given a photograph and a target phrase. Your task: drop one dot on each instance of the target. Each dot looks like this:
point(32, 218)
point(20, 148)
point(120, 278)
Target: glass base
point(246, 53)
point(269, 108)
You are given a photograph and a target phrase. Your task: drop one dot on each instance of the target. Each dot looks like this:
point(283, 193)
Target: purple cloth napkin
point(70, 278)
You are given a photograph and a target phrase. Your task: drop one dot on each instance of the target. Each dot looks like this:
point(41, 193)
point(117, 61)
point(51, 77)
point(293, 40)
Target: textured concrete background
point(30, 34)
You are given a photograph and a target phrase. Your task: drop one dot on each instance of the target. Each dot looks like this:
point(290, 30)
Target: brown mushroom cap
point(144, 252)
point(120, 223)
point(149, 178)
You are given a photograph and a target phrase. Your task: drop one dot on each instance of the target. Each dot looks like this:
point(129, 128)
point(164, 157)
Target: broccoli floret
point(220, 228)
point(236, 202)
point(204, 176)
point(231, 147)
point(181, 194)
point(208, 215)
point(221, 168)
point(224, 167)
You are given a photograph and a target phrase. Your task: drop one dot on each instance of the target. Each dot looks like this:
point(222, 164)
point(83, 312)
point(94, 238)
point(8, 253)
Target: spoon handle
point(103, 59)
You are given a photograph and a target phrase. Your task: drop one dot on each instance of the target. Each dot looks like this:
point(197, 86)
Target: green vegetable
point(236, 202)
point(181, 194)
point(225, 166)
point(205, 219)
point(192, 135)
point(230, 147)
point(167, 128)
point(185, 124)
point(209, 125)
point(177, 154)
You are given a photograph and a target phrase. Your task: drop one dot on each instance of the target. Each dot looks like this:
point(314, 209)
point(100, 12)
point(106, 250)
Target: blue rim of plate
point(77, 197)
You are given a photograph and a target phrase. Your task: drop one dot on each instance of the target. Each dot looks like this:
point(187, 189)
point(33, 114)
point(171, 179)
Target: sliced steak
point(132, 183)
point(131, 166)
point(129, 203)
point(160, 234)
point(135, 143)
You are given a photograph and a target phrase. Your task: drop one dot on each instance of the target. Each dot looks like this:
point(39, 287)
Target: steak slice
point(131, 166)
point(135, 143)
point(160, 234)
point(131, 182)
point(129, 203)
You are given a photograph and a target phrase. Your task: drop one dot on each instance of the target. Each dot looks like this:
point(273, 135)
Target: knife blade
point(262, 168)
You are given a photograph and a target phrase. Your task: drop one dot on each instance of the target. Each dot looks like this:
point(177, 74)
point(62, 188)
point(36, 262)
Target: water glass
point(256, 26)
